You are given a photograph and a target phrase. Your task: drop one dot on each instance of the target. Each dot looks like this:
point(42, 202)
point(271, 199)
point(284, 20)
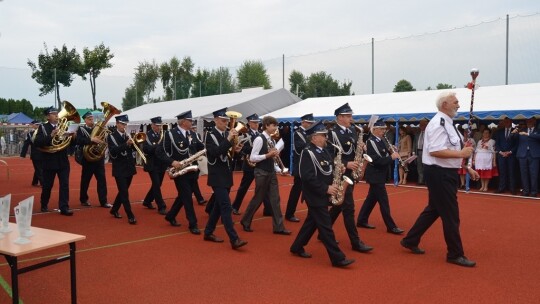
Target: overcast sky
point(219, 33)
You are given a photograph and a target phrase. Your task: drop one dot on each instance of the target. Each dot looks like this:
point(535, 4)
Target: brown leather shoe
point(213, 238)
point(238, 243)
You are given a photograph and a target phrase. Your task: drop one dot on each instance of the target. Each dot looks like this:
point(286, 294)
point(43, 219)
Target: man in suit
point(35, 154)
point(506, 144)
point(179, 144)
point(418, 146)
point(218, 143)
point(299, 144)
point(317, 187)
point(528, 155)
point(122, 151)
point(154, 166)
point(54, 164)
point(376, 178)
point(91, 168)
point(345, 137)
point(248, 168)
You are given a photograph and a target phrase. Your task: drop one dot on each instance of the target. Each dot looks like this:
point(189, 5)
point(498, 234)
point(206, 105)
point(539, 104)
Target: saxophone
point(185, 165)
point(360, 157)
point(340, 181)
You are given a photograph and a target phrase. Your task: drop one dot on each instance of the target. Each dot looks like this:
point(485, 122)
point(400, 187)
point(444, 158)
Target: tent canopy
point(17, 118)
point(518, 101)
point(247, 102)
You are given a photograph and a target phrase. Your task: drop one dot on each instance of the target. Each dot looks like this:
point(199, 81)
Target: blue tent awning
point(19, 118)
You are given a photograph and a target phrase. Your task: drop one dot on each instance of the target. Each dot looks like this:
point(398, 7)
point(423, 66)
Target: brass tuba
point(60, 140)
point(95, 152)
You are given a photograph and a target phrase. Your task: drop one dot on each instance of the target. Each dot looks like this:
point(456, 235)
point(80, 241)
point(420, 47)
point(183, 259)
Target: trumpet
point(139, 139)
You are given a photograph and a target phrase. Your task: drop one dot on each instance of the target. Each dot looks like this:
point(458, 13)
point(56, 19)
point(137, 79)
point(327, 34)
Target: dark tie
point(507, 133)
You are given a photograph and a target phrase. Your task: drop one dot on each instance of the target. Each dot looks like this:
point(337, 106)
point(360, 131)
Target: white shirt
point(439, 138)
point(257, 146)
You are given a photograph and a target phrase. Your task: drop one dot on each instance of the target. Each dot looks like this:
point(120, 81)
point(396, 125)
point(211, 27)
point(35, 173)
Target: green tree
point(9, 106)
point(131, 99)
point(59, 67)
point(253, 74)
point(442, 86)
point(93, 62)
point(297, 81)
point(320, 84)
point(177, 78)
point(145, 80)
point(215, 82)
point(403, 86)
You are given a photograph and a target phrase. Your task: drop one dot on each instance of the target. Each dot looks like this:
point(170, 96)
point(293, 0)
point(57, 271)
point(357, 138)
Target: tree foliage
point(94, 61)
point(215, 82)
point(442, 86)
point(146, 77)
point(253, 74)
point(9, 106)
point(320, 84)
point(177, 78)
point(403, 86)
point(58, 67)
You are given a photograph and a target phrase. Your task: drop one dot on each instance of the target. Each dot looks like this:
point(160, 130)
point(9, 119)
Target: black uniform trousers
point(96, 169)
point(318, 218)
point(247, 179)
point(197, 190)
point(376, 193)
point(48, 183)
point(122, 198)
point(347, 208)
point(184, 185)
point(442, 184)
point(38, 172)
point(294, 196)
point(221, 208)
point(154, 193)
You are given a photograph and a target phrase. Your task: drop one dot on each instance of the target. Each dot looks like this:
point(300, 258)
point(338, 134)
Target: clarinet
point(392, 151)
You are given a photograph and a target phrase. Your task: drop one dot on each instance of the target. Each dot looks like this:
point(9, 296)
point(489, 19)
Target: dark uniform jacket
point(316, 173)
point(246, 150)
point(84, 134)
point(153, 162)
point(35, 154)
point(122, 155)
point(299, 145)
point(377, 170)
point(178, 147)
point(51, 161)
point(219, 167)
point(346, 139)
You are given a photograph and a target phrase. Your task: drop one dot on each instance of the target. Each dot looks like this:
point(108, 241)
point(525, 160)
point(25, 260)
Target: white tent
point(518, 101)
point(247, 102)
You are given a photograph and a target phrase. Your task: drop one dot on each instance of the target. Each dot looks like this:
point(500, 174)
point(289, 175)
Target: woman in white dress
point(484, 159)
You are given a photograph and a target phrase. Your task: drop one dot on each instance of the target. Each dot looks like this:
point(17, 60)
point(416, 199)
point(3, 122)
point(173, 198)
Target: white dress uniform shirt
point(257, 146)
point(438, 138)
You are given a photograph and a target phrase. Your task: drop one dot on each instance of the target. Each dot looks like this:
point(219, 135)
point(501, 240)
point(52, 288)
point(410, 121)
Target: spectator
point(528, 155)
point(468, 142)
point(418, 146)
point(484, 159)
point(405, 151)
point(506, 144)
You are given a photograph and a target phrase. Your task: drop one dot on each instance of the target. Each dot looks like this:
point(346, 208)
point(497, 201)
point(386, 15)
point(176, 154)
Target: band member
point(345, 137)
point(35, 154)
point(248, 168)
point(376, 177)
point(264, 152)
point(122, 152)
point(218, 143)
point(316, 172)
point(299, 144)
point(154, 166)
point(442, 155)
point(196, 189)
point(94, 168)
point(179, 144)
point(55, 163)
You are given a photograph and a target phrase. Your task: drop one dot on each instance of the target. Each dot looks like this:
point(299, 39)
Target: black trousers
point(247, 179)
point(48, 183)
point(184, 185)
point(221, 208)
point(96, 169)
point(38, 172)
point(294, 196)
point(154, 193)
point(442, 184)
point(507, 176)
point(376, 193)
point(197, 190)
point(347, 208)
point(318, 218)
point(122, 198)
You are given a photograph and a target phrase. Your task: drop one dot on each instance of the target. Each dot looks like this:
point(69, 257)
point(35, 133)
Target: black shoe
point(365, 225)
point(213, 238)
point(66, 212)
point(524, 194)
point(238, 243)
point(534, 195)
point(115, 214)
point(293, 219)
point(45, 209)
point(195, 231)
point(162, 211)
point(106, 205)
point(395, 230)
point(413, 249)
point(283, 232)
point(343, 263)
point(246, 228)
point(173, 222)
point(514, 192)
point(302, 254)
point(236, 212)
point(462, 261)
point(132, 221)
point(202, 202)
point(148, 205)
point(86, 204)
point(362, 248)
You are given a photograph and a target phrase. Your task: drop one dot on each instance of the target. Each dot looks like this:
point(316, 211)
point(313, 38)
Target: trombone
point(140, 137)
